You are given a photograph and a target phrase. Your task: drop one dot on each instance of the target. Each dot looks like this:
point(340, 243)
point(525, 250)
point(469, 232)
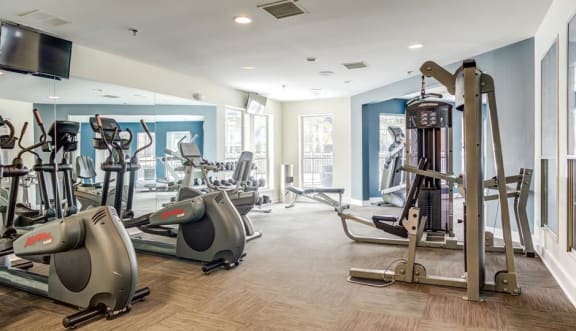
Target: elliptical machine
point(243, 200)
point(92, 264)
point(209, 229)
point(391, 186)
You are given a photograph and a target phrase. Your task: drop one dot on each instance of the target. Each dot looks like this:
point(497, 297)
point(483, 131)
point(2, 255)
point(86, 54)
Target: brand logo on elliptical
point(45, 238)
point(174, 212)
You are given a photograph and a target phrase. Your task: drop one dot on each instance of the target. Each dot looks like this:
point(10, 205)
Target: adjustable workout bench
point(319, 194)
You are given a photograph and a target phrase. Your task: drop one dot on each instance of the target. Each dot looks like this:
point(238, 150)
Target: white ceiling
point(33, 89)
point(200, 37)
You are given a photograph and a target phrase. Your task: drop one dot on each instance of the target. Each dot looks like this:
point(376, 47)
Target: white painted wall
point(553, 248)
point(340, 109)
point(91, 64)
point(19, 112)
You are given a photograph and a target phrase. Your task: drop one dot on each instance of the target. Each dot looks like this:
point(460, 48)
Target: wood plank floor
point(294, 278)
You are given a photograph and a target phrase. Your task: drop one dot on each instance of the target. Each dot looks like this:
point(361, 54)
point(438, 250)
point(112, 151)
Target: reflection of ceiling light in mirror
point(316, 91)
point(415, 46)
point(242, 20)
point(53, 97)
point(248, 68)
point(1, 73)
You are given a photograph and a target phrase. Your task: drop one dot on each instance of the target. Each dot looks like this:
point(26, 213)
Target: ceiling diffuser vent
point(355, 65)
point(110, 96)
point(39, 17)
point(283, 8)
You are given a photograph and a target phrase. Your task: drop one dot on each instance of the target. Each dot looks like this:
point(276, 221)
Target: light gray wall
point(512, 67)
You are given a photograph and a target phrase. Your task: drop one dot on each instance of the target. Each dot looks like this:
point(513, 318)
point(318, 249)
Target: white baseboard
point(362, 203)
point(563, 278)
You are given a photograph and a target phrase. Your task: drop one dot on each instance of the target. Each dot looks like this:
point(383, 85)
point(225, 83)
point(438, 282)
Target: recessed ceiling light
point(242, 20)
point(326, 73)
point(248, 68)
point(415, 46)
point(1, 73)
point(53, 97)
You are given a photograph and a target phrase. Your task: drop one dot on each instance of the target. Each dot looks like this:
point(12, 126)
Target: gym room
point(288, 165)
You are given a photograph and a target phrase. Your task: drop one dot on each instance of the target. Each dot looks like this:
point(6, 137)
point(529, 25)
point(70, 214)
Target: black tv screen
point(28, 51)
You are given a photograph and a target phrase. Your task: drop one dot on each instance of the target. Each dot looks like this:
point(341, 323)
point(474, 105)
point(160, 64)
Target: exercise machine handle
point(145, 127)
point(10, 128)
point(40, 123)
point(29, 149)
point(103, 135)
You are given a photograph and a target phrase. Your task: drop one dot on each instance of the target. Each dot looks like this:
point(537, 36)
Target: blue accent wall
point(512, 68)
point(207, 143)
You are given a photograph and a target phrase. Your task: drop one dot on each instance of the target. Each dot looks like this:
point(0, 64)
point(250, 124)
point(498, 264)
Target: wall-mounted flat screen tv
point(256, 104)
point(27, 51)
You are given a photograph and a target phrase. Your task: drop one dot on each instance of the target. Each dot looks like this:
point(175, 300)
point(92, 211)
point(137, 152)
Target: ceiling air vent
point(355, 65)
point(39, 17)
point(110, 96)
point(283, 8)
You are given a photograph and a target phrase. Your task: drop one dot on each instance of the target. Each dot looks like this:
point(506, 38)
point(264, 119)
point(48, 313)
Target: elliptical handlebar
point(145, 127)
point(10, 128)
point(103, 135)
point(43, 137)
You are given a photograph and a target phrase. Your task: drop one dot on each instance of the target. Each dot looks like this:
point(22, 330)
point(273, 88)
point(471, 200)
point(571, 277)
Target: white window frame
point(301, 157)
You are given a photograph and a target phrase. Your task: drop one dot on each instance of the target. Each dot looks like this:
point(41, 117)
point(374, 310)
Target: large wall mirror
point(571, 155)
point(68, 109)
point(549, 138)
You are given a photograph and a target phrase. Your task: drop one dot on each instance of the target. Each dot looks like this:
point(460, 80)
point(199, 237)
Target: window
point(549, 140)
point(233, 131)
point(146, 158)
point(316, 150)
point(261, 146)
point(386, 138)
point(173, 137)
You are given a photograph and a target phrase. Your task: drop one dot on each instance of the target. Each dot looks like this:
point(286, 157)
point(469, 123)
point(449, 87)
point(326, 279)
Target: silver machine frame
point(468, 84)
point(448, 240)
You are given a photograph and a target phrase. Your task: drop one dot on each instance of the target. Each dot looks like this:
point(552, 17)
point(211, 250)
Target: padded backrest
point(243, 167)
point(85, 167)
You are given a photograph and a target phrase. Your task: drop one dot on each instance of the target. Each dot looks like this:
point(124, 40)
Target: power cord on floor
point(386, 282)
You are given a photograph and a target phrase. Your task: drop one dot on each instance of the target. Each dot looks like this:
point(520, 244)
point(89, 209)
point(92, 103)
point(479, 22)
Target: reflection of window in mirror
point(233, 132)
point(173, 137)
point(147, 158)
point(261, 147)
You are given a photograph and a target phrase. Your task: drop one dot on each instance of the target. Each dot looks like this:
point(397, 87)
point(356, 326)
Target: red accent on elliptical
point(174, 212)
point(41, 237)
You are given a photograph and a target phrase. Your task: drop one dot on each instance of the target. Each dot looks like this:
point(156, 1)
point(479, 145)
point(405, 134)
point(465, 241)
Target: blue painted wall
point(512, 67)
point(159, 128)
point(208, 145)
